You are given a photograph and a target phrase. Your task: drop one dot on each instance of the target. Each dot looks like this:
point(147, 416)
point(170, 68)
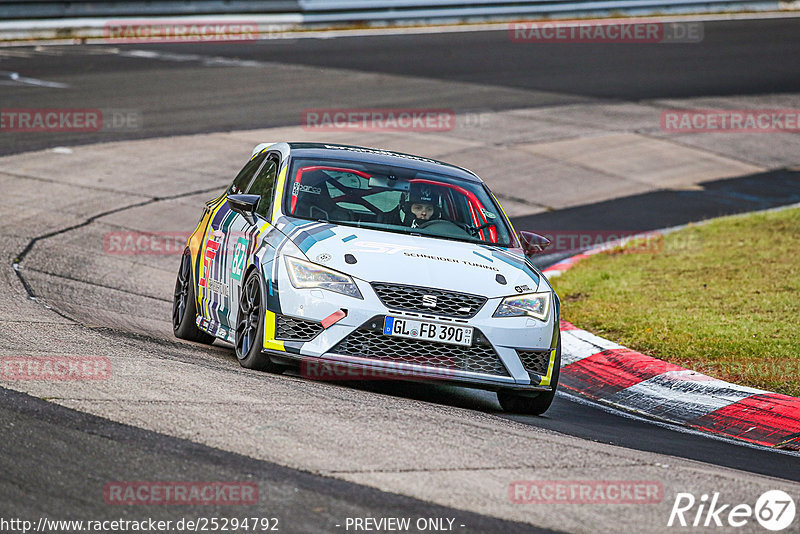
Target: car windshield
point(395, 199)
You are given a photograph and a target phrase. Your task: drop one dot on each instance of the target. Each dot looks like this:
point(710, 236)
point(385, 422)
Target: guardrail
point(357, 10)
point(86, 20)
point(369, 10)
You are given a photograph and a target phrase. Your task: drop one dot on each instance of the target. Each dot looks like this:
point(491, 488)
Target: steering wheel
point(448, 228)
point(434, 222)
point(475, 229)
point(443, 221)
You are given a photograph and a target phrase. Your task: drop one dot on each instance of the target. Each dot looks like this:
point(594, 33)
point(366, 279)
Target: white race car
point(381, 264)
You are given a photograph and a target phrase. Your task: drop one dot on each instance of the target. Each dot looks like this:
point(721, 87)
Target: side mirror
point(533, 243)
point(245, 205)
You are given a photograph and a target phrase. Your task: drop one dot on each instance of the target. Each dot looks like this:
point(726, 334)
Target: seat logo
point(429, 301)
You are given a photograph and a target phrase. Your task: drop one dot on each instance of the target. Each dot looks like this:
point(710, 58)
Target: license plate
point(441, 333)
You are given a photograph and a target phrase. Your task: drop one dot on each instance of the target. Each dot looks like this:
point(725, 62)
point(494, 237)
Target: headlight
point(533, 304)
point(304, 275)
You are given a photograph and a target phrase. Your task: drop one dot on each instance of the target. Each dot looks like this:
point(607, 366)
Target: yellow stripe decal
point(546, 380)
point(504, 213)
point(276, 208)
point(200, 291)
point(254, 156)
point(195, 239)
point(269, 332)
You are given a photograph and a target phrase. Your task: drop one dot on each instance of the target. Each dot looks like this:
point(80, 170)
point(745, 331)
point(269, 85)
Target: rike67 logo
point(774, 510)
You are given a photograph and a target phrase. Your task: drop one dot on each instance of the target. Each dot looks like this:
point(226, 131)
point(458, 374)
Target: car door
point(213, 283)
point(241, 238)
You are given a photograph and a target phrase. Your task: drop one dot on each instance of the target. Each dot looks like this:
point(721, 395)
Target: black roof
point(380, 157)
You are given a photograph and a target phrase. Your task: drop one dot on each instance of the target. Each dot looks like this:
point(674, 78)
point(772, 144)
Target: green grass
point(722, 298)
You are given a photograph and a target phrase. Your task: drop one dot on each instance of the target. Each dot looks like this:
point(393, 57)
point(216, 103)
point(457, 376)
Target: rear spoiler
point(259, 148)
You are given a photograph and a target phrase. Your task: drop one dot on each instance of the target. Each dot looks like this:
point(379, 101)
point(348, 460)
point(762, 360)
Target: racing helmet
point(421, 193)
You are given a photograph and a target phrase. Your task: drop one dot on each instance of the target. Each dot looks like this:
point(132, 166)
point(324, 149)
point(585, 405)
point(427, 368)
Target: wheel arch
point(254, 266)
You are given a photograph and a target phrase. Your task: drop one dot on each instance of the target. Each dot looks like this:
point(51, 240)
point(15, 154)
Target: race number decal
point(239, 256)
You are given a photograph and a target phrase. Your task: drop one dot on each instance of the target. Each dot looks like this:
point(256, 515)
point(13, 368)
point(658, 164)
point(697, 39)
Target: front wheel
point(516, 403)
point(184, 306)
point(250, 328)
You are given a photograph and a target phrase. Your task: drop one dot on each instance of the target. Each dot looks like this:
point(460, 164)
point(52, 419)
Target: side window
point(264, 185)
point(239, 184)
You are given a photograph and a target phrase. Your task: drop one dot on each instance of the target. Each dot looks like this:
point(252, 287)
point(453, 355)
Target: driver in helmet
point(421, 205)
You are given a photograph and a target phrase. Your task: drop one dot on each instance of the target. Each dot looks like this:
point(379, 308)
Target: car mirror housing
point(245, 205)
point(533, 243)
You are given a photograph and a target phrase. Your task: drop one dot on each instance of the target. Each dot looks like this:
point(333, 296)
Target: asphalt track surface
point(186, 97)
point(40, 444)
point(209, 87)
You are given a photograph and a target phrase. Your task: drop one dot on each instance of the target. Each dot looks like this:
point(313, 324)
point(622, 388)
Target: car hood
point(421, 261)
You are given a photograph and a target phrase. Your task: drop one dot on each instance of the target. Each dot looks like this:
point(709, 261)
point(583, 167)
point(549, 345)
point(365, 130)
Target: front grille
point(535, 361)
point(411, 298)
point(373, 344)
point(291, 328)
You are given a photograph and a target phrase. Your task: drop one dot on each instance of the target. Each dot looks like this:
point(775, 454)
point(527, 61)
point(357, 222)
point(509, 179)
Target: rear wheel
point(184, 307)
point(533, 405)
point(250, 328)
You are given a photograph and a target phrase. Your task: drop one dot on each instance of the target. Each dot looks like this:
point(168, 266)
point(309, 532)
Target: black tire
point(250, 328)
point(533, 405)
point(184, 307)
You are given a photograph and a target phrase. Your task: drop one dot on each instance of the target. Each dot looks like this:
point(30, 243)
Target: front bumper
point(357, 343)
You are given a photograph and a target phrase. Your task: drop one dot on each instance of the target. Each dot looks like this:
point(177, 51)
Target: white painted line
point(208, 61)
point(16, 53)
point(15, 78)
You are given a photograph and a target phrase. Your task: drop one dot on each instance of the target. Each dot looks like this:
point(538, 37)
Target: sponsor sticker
point(210, 252)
